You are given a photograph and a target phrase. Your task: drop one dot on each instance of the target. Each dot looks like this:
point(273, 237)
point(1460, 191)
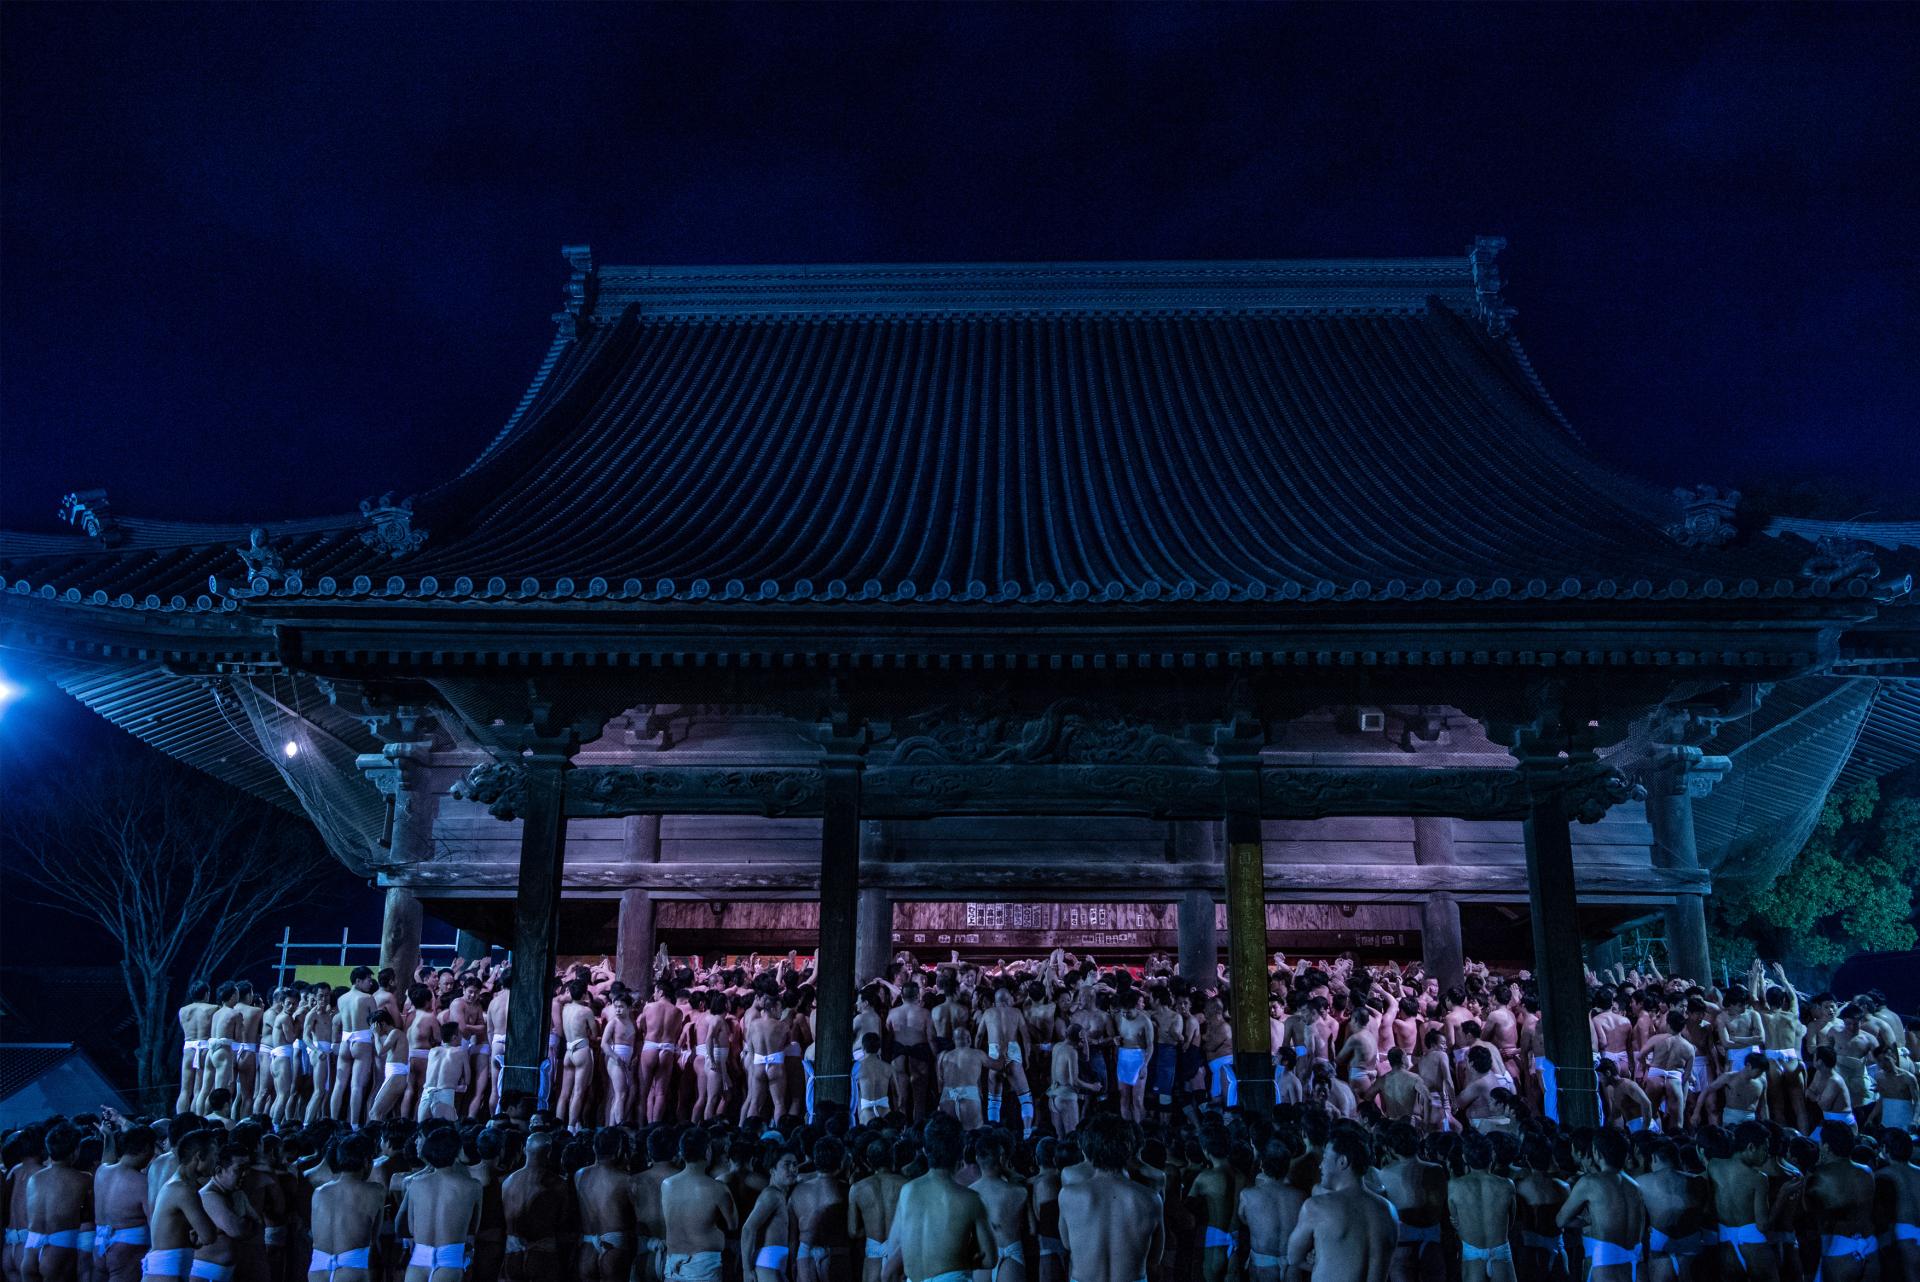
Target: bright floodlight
point(291, 750)
point(8, 693)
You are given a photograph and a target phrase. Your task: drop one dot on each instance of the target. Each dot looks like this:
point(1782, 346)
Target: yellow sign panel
point(334, 975)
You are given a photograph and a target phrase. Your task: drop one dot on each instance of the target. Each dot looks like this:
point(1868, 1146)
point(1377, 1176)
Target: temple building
point(1217, 607)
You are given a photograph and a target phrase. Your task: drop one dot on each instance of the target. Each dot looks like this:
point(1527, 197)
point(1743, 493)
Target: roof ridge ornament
point(1706, 516)
point(390, 525)
point(90, 511)
point(1487, 283)
point(581, 288)
point(262, 558)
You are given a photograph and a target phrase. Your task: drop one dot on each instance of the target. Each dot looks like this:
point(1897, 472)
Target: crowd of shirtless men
point(1748, 1131)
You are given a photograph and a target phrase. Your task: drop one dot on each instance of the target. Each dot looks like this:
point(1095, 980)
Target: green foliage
point(1850, 889)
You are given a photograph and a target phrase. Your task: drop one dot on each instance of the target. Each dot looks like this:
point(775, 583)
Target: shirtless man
point(120, 1208)
point(607, 1235)
point(1740, 1029)
point(576, 1025)
point(1135, 1033)
point(961, 1072)
point(1004, 1030)
point(618, 1035)
point(699, 1214)
point(816, 1207)
point(1897, 1086)
point(1009, 1211)
point(1068, 1066)
point(1840, 1194)
point(870, 1206)
point(59, 1201)
point(196, 1019)
point(660, 1023)
point(1481, 1206)
point(941, 1232)
point(446, 1075)
point(1540, 1197)
point(1401, 1095)
point(1268, 1211)
point(765, 1236)
point(1786, 1074)
point(1348, 1230)
point(1669, 1063)
point(390, 1051)
point(537, 1206)
point(1436, 1071)
point(1827, 1094)
point(232, 1215)
point(1418, 1191)
point(497, 1007)
point(1743, 1093)
point(1898, 1186)
point(875, 1084)
point(280, 1054)
point(440, 1211)
point(1612, 1032)
point(767, 1035)
point(246, 1049)
point(1676, 1205)
point(346, 1217)
point(179, 1218)
point(219, 1065)
point(318, 1032)
point(710, 1040)
point(469, 1013)
point(1622, 1103)
point(1607, 1206)
point(1502, 1027)
point(1358, 1060)
point(358, 1069)
point(1211, 1201)
point(912, 1029)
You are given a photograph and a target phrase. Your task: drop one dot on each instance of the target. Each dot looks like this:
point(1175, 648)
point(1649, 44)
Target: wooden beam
point(917, 879)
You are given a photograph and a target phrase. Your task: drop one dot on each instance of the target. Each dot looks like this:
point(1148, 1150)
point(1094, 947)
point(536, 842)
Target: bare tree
point(176, 868)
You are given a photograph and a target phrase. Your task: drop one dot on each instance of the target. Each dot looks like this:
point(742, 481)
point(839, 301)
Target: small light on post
point(290, 750)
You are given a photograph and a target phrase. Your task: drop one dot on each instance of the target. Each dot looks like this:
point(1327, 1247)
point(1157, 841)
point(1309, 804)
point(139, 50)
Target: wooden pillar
point(1441, 954)
point(839, 913)
point(536, 917)
point(1199, 941)
point(1557, 963)
point(469, 947)
point(634, 939)
point(1247, 934)
point(873, 941)
point(1605, 955)
point(1670, 815)
point(634, 945)
point(400, 934)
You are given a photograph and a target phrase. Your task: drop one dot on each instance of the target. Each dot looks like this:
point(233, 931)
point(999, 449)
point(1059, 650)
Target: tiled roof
point(22, 1063)
point(1053, 435)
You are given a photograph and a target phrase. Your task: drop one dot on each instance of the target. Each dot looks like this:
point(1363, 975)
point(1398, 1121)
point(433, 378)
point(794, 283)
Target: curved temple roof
point(1031, 433)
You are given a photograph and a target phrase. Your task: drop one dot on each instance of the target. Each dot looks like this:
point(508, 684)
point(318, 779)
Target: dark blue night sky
point(264, 260)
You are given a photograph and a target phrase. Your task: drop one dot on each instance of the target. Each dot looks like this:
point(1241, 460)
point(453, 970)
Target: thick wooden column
point(634, 938)
point(634, 943)
point(873, 935)
point(1670, 815)
point(839, 914)
point(400, 934)
point(1441, 953)
point(536, 917)
point(1199, 939)
point(1247, 932)
point(470, 947)
point(1558, 966)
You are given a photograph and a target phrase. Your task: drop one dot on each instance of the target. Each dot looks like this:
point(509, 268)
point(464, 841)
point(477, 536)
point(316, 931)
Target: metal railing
point(346, 949)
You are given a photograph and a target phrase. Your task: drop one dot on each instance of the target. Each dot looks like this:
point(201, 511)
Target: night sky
point(260, 261)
